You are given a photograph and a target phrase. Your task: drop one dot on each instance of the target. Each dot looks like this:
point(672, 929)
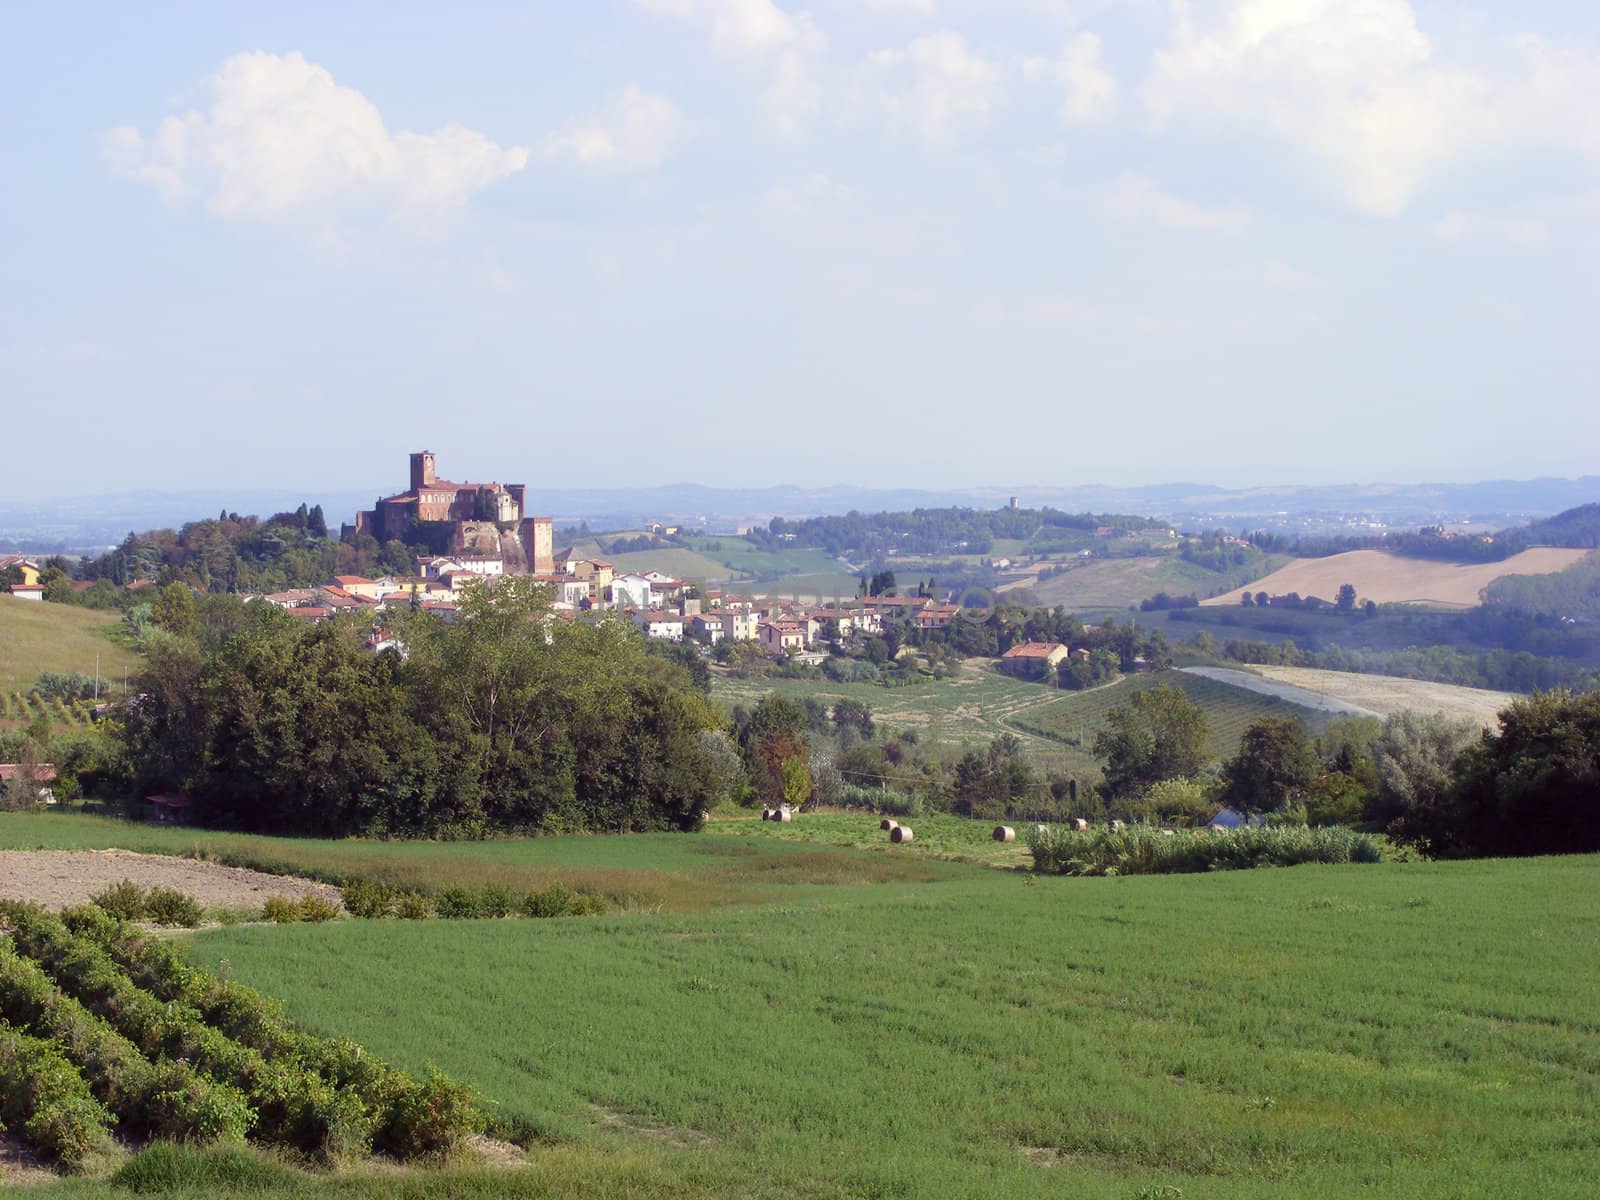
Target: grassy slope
point(1229, 710)
point(1415, 1030)
point(683, 564)
point(38, 637)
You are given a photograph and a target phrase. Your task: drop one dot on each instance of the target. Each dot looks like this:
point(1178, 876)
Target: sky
point(931, 243)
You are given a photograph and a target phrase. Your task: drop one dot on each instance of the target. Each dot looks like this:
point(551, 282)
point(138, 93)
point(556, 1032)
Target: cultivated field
point(1385, 694)
point(1118, 582)
point(1078, 717)
point(37, 637)
point(1390, 579)
point(58, 878)
point(1406, 1030)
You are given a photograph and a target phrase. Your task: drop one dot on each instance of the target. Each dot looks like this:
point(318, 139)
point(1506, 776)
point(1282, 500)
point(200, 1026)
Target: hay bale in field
point(900, 833)
point(1041, 830)
point(1079, 825)
point(1116, 826)
point(1004, 833)
point(766, 814)
point(888, 824)
point(1167, 833)
point(783, 814)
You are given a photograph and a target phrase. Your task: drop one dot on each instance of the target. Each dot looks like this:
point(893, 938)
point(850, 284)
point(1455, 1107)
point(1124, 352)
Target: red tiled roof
point(310, 614)
point(1033, 650)
point(39, 772)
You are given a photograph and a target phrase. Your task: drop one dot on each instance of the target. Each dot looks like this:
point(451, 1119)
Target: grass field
point(37, 637)
point(1391, 579)
point(1115, 583)
point(971, 706)
point(939, 836)
point(1229, 710)
point(638, 872)
point(682, 564)
point(1409, 1030)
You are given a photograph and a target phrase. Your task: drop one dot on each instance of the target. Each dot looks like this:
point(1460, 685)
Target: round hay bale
point(1004, 833)
point(1168, 833)
point(783, 816)
point(1117, 826)
point(900, 833)
point(1041, 830)
point(888, 824)
point(1079, 825)
point(766, 814)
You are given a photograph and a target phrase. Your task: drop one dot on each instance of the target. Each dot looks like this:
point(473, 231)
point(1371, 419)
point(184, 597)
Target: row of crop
point(46, 1101)
point(166, 1099)
point(1143, 850)
point(29, 706)
point(427, 1117)
point(333, 1113)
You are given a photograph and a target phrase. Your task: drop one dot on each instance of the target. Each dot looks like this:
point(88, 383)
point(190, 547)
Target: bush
point(44, 1099)
point(496, 900)
point(456, 904)
point(1142, 850)
point(316, 909)
point(553, 901)
point(413, 906)
point(167, 1167)
point(427, 1118)
point(124, 900)
point(367, 899)
point(281, 910)
point(168, 906)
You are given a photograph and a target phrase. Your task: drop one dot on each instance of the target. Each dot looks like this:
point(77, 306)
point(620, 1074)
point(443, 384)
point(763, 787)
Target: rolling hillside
point(1390, 579)
point(38, 637)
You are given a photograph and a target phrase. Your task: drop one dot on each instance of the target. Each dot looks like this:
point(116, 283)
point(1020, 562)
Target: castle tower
point(538, 540)
point(422, 470)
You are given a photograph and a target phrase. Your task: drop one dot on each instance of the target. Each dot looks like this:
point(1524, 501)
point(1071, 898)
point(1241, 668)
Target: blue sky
point(909, 242)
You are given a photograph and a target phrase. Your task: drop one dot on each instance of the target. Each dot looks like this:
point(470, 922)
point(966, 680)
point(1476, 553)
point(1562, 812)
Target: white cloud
point(758, 32)
point(924, 8)
point(1135, 197)
point(1090, 91)
point(937, 86)
point(742, 27)
point(636, 133)
point(281, 141)
point(1519, 231)
point(1359, 87)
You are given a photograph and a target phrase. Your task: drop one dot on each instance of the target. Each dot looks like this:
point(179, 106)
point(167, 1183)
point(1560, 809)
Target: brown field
point(1389, 579)
point(1385, 694)
point(57, 878)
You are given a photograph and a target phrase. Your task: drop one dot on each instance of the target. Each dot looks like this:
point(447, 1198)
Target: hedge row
point(1143, 850)
point(373, 900)
point(167, 1100)
point(391, 1099)
point(44, 1099)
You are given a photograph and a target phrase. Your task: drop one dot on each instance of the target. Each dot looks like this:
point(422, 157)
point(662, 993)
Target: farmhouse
point(1034, 658)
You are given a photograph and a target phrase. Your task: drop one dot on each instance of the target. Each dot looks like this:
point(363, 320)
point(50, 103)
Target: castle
point(460, 516)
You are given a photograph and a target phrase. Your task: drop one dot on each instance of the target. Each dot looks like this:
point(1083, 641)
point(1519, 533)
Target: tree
point(1532, 789)
point(174, 609)
point(1347, 597)
point(1160, 734)
point(1275, 766)
point(316, 522)
point(855, 716)
point(1246, 600)
point(796, 778)
point(1413, 756)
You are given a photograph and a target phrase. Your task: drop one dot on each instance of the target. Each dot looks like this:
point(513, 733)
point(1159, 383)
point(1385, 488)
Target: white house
point(667, 626)
point(632, 591)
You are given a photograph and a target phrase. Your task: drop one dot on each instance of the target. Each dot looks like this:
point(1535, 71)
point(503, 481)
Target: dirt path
point(59, 878)
point(1304, 697)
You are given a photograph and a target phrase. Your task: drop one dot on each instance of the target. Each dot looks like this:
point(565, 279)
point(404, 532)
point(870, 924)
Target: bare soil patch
point(60, 878)
point(1390, 579)
point(1303, 696)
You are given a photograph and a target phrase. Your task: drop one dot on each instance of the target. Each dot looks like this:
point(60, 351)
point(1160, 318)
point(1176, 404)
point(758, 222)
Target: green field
point(1116, 583)
point(37, 637)
point(1229, 710)
point(1411, 1030)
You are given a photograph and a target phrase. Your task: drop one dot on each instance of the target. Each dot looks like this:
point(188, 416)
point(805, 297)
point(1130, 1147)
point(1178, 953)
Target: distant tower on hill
point(422, 470)
point(538, 542)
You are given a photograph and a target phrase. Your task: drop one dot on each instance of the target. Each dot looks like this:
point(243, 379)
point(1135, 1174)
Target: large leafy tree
point(1276, 764)
point(1159, 734)
point(1532, 789)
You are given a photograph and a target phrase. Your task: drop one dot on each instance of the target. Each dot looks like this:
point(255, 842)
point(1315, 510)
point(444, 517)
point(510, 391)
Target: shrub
point(1142, 850)
point(553, 901)
point(367, 899)
point(281, 910)
point(44, 1099)
point(413, 906)
point(316, 909)
point(496, 900)
point(168, 906)
point(124, 900)
point(166, 1167)
point(456, 903)
point(429, 1117)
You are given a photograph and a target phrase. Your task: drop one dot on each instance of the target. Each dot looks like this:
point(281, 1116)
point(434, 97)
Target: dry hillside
point(1390, 579)
point(1385, 694)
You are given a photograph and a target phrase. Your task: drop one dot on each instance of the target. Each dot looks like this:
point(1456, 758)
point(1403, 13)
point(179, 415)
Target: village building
point(1035, 658)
